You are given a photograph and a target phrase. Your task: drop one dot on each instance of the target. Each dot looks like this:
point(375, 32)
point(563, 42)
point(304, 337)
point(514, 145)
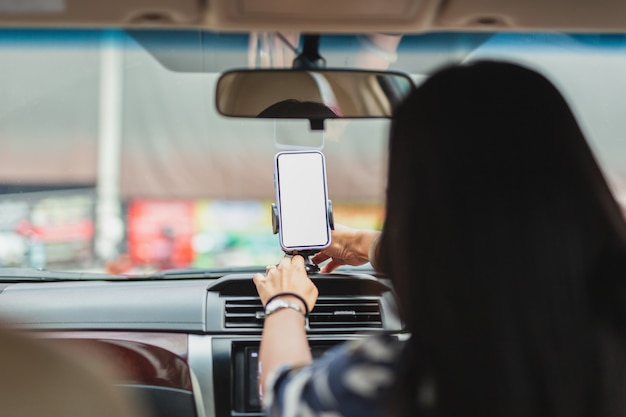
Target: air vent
point(243, 313)
point(335, 313)
point(346, 313)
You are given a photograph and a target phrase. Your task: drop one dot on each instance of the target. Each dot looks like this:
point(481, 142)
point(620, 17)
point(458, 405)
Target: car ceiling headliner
point(400, 16)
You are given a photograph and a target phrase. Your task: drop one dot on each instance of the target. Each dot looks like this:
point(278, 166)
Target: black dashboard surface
point(133, 305)
point(180, 305)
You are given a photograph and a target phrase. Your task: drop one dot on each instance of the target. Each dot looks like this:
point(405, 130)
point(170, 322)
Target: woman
point(506, 250)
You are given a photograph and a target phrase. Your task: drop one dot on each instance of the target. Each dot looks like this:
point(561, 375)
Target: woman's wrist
point(291, 298)
point(372, 250)
point(362, 240)
point(281, 304)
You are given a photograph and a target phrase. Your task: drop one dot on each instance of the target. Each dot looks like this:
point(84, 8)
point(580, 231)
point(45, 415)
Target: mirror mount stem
point(317, 124)
point(310, 57)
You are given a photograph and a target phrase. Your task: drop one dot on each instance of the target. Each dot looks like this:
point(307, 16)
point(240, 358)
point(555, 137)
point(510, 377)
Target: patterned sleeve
point(349, 380)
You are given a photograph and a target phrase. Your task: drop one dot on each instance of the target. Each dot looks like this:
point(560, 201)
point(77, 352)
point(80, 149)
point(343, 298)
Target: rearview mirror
point(311, 94)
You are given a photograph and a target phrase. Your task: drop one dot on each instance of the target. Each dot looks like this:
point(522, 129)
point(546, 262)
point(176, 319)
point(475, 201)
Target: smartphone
point(302, 201)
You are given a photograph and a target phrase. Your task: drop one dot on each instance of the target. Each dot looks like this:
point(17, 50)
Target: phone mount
point(308, 265)
point(306, 254)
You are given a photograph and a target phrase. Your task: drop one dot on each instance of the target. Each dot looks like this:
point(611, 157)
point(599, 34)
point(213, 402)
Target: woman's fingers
point(288, 277)
point(285, 262)
point(297, 261)
point(320, 257)
point(258, 281)
point(331, 266)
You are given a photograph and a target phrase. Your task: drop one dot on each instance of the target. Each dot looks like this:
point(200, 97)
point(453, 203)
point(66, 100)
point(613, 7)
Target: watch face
point(279, 304)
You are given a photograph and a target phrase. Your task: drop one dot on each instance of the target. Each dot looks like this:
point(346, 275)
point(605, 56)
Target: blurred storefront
point(47, 229)
point(164, 234)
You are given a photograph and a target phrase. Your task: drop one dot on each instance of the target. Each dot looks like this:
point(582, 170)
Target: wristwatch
point(279, 304)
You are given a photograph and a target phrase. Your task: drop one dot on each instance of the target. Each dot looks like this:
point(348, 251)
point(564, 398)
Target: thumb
point(320, 257)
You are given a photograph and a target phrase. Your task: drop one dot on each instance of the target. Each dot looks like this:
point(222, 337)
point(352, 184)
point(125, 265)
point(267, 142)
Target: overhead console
point(230, 15)
point(90, 13)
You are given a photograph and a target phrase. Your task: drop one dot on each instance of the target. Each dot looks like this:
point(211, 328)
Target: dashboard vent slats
point(346, 313)
point(243, 313)
point(329, 313)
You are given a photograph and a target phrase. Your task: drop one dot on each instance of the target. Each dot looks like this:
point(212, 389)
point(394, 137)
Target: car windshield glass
point(114, 159)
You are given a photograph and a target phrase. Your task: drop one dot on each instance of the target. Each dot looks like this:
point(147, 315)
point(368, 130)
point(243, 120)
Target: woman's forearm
point(284, 339)
point(283, 342)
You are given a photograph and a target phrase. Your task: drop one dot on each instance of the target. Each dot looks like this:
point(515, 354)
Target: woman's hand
point(288, 276)
point(284, 339)
point(348, 247)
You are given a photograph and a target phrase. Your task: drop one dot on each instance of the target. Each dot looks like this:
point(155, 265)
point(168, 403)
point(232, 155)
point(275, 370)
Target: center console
point(236, 373)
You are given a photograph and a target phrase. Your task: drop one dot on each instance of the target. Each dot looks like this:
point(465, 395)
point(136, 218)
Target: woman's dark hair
point(506, 249)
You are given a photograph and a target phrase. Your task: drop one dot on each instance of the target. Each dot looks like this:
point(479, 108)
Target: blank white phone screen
point(302, 200)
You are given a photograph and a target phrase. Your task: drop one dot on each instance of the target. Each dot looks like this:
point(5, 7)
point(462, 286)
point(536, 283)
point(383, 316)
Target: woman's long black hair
point(506, 249)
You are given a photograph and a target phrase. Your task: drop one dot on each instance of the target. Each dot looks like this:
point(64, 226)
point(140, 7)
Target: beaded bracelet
point(290, 294)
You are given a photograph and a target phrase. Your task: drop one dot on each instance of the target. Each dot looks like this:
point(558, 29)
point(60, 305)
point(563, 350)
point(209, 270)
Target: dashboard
point(189, 347)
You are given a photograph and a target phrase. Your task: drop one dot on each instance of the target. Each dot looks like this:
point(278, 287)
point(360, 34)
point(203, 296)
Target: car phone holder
point(306, 254)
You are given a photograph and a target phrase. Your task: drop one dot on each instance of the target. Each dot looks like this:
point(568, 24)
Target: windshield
point(114, 159)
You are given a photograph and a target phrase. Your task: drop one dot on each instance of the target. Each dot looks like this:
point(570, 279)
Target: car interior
point(150, 81)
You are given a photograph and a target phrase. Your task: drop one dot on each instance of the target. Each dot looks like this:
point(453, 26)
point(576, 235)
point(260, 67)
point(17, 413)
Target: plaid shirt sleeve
point(350, 380)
